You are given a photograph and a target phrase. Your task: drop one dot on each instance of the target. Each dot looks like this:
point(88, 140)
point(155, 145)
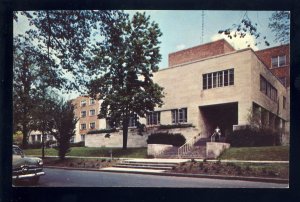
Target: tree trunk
point(24, 132)
point(43, 145)
point(125, 133)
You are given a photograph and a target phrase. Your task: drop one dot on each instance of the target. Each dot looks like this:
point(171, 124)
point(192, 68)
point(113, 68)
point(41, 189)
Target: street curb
point(254, 179)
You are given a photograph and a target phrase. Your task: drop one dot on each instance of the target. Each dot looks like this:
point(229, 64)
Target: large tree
point(280, 25)
point(31, 70)
point(54, 49)
point(125, 61)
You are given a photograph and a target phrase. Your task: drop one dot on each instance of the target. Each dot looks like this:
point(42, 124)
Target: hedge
point(184, 125)
point(102, 131)
point(253, 138)
point(175, 139)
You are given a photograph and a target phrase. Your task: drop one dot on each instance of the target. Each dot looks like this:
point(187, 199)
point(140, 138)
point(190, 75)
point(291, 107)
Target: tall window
point(268, 89)
point(83, 103)
point(92, 125)
point(179, 115)
point(278, 61)
point(153, 118)
point(283, 102)
point(92, 112)
point(92, 101)
point(32, 138)
point(132, 121)
point(218, 79)
point(83, 126)
point(83, 114)
point(82, 137)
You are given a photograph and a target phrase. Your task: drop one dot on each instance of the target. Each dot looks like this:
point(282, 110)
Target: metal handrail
point(189, 145)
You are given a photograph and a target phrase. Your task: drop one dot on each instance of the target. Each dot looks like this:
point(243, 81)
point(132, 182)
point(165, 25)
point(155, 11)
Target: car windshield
point(17, 151)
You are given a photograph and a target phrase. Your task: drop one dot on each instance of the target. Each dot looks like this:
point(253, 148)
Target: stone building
point(208, 86)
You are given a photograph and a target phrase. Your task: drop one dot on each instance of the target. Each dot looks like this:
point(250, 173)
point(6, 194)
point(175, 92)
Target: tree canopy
point(125, 63)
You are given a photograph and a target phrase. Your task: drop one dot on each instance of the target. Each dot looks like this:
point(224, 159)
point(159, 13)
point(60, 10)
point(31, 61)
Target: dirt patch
point(80, 163)
point(234, 169)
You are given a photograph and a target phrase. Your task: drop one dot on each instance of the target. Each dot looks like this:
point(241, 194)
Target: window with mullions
point(179, 115)
point(153, 118)
point(278, 61)
point(268, 89)
point(132, 121)
point(218, 79)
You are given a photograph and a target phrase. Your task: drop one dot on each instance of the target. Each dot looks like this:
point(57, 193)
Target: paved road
point(75, 178)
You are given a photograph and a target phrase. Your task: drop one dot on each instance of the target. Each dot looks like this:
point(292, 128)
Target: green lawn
point(95, 152)
point(274, 153)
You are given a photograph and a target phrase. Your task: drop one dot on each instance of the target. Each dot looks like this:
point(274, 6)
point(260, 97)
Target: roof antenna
point(202, 36)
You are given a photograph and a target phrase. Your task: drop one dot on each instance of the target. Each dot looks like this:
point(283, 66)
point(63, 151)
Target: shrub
point(253, 138)
point(185, 125)
point(175, 139)
point(102, 131)
point(77, 144)
point(35, 145)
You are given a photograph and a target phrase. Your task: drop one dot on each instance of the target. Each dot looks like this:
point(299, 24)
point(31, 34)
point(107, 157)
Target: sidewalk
point(168, 173)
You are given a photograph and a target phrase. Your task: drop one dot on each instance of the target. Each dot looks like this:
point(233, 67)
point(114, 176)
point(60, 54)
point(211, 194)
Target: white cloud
point(180, 47)
point(236, 42)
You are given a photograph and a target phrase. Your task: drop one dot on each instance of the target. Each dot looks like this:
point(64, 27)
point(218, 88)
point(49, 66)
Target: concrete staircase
point(144, 165)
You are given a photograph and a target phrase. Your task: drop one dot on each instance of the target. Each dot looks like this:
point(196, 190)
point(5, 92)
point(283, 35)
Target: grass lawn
point(274, 153)
point(94, 152)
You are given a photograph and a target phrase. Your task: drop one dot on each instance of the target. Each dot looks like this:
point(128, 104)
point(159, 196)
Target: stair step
point(144, 167)
point(149, 164)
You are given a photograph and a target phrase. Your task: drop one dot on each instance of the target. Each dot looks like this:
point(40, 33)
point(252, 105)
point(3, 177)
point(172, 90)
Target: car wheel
point(35, 180)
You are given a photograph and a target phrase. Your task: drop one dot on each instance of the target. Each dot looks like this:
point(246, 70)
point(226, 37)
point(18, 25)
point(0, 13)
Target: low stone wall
point(214, 149)
point(156, 149)
point(188, 133)
point(116, 139)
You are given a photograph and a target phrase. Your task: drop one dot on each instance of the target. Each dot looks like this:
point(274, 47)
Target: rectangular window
point(209, 81)
point(83, 103)
point(82, 137)
point(282, 60)
point(284, 102)
point(174, 116)
point(268, 89)
point(38, 137)
point(274, 61)
point(132, 121)
point(92, 125)
point(278, 61)
point(83, 114)
point(153, 118)
point(215, 78)
point(92, 112)
point(179, 115)
point(32, 138)
point(83, 126)
point(231, 77)
point(204, 79)
point(218, 79)
point(92, 101)
point(226, 78)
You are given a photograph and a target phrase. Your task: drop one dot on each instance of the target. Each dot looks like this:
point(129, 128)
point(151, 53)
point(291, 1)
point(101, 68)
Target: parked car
point(24, 167)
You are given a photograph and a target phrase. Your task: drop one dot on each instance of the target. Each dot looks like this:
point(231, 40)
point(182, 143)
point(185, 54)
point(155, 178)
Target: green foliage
point(253, 138)
point(280, 25)
point(64, 127)
point(103, 131)
point(184, 125)
point(77, 144)
point(175, 139)
point(17, 138)
point(125, 62)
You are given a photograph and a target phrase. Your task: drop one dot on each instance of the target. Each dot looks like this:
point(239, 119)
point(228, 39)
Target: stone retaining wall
point(156, 149)
point(214, 149)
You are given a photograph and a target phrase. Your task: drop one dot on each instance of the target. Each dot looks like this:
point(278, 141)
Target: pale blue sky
point(183, 29)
